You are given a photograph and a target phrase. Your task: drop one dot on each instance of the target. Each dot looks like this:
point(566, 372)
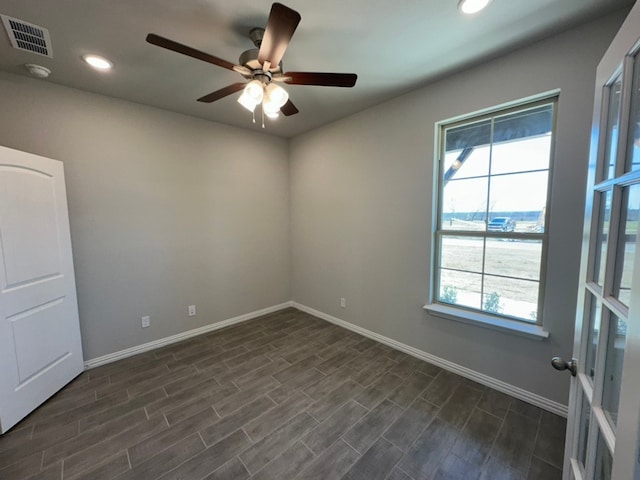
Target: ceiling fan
point(262, 66)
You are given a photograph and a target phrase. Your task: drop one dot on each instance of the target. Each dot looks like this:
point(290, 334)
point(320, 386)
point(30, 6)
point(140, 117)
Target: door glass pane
point(627, 243)
point(633, 140)
point(604, 461)
point(602, 238)
point(583, 434)
point(613, 368)
point(594, 333)
point(611, 147)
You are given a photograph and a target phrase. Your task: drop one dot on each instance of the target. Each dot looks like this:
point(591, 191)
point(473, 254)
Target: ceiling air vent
point(27, 36)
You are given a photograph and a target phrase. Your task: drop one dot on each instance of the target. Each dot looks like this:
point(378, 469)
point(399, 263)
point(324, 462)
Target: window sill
point(513, 327)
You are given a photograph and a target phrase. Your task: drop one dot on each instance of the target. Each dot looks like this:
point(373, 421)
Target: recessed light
point(470, 7)
point(97, 62)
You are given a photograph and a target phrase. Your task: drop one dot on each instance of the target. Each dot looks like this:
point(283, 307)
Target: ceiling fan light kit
point(262, 66)
point(271, 96)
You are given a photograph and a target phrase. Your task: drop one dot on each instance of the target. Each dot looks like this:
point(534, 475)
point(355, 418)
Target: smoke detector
point(38, 71)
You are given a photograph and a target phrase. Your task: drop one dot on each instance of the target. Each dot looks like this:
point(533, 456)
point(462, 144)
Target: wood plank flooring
point(285, 396)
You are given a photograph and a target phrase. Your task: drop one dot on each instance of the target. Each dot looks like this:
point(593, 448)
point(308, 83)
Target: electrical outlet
point(192, 310)
point(146, 321)
point(343, 303)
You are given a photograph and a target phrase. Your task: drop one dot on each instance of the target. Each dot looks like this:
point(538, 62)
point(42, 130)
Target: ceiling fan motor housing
point(249, 59)
point(256, 35)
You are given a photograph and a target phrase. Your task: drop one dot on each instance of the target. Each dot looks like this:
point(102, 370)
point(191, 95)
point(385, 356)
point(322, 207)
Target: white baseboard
point(145, 347)
point(481, 378)
point(525, 395)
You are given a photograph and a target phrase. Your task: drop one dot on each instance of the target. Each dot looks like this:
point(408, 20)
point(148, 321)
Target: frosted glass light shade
point(270, 107)
point(254, 90)
point(277, 94)
point(247, 102)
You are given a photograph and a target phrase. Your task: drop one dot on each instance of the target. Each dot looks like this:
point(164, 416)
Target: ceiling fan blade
point(242, 70)
point(277, 35)
point(321, 79)
point(190, 52)
point(223, 92)
point(289, 109)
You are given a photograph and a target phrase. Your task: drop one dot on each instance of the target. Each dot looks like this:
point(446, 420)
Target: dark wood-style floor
point(286, 396)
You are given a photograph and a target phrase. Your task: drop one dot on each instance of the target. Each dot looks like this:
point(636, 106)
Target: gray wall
point(361, 196)
point(166, 211)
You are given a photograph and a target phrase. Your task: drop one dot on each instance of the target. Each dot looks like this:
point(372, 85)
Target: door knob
point(560, 363)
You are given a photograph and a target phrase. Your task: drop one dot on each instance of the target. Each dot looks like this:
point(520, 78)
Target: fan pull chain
point(254, 116)
point(262, 109)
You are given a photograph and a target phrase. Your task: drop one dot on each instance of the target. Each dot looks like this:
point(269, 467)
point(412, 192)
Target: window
point(493, 189)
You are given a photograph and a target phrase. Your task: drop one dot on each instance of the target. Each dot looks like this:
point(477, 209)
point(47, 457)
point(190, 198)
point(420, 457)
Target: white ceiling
point(393, 46)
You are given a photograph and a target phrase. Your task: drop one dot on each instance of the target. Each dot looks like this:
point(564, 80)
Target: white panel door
point(40, 346)
point(604, 406)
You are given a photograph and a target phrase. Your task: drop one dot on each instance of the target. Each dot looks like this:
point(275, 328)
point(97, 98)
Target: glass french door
point(604, 408)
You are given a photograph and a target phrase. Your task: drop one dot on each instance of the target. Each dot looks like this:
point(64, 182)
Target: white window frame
point(466, 314)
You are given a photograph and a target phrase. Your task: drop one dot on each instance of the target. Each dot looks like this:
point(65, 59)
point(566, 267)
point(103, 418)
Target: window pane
point(494, 182)
point(513, 258)
point(627, 243)
point(528, 122)
point(471, 162)
point(521, 155)
point(603, 236)
point(522, 140)
point(461, 253)
point(522, 197)
point(613, 127)
point(604, 461)
point(593, 314)
point(464, 204)
point(585, 418)
point(460, 288)
point(613, 368)
point(507, 296)
point(469, 135)
point(633, 146)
